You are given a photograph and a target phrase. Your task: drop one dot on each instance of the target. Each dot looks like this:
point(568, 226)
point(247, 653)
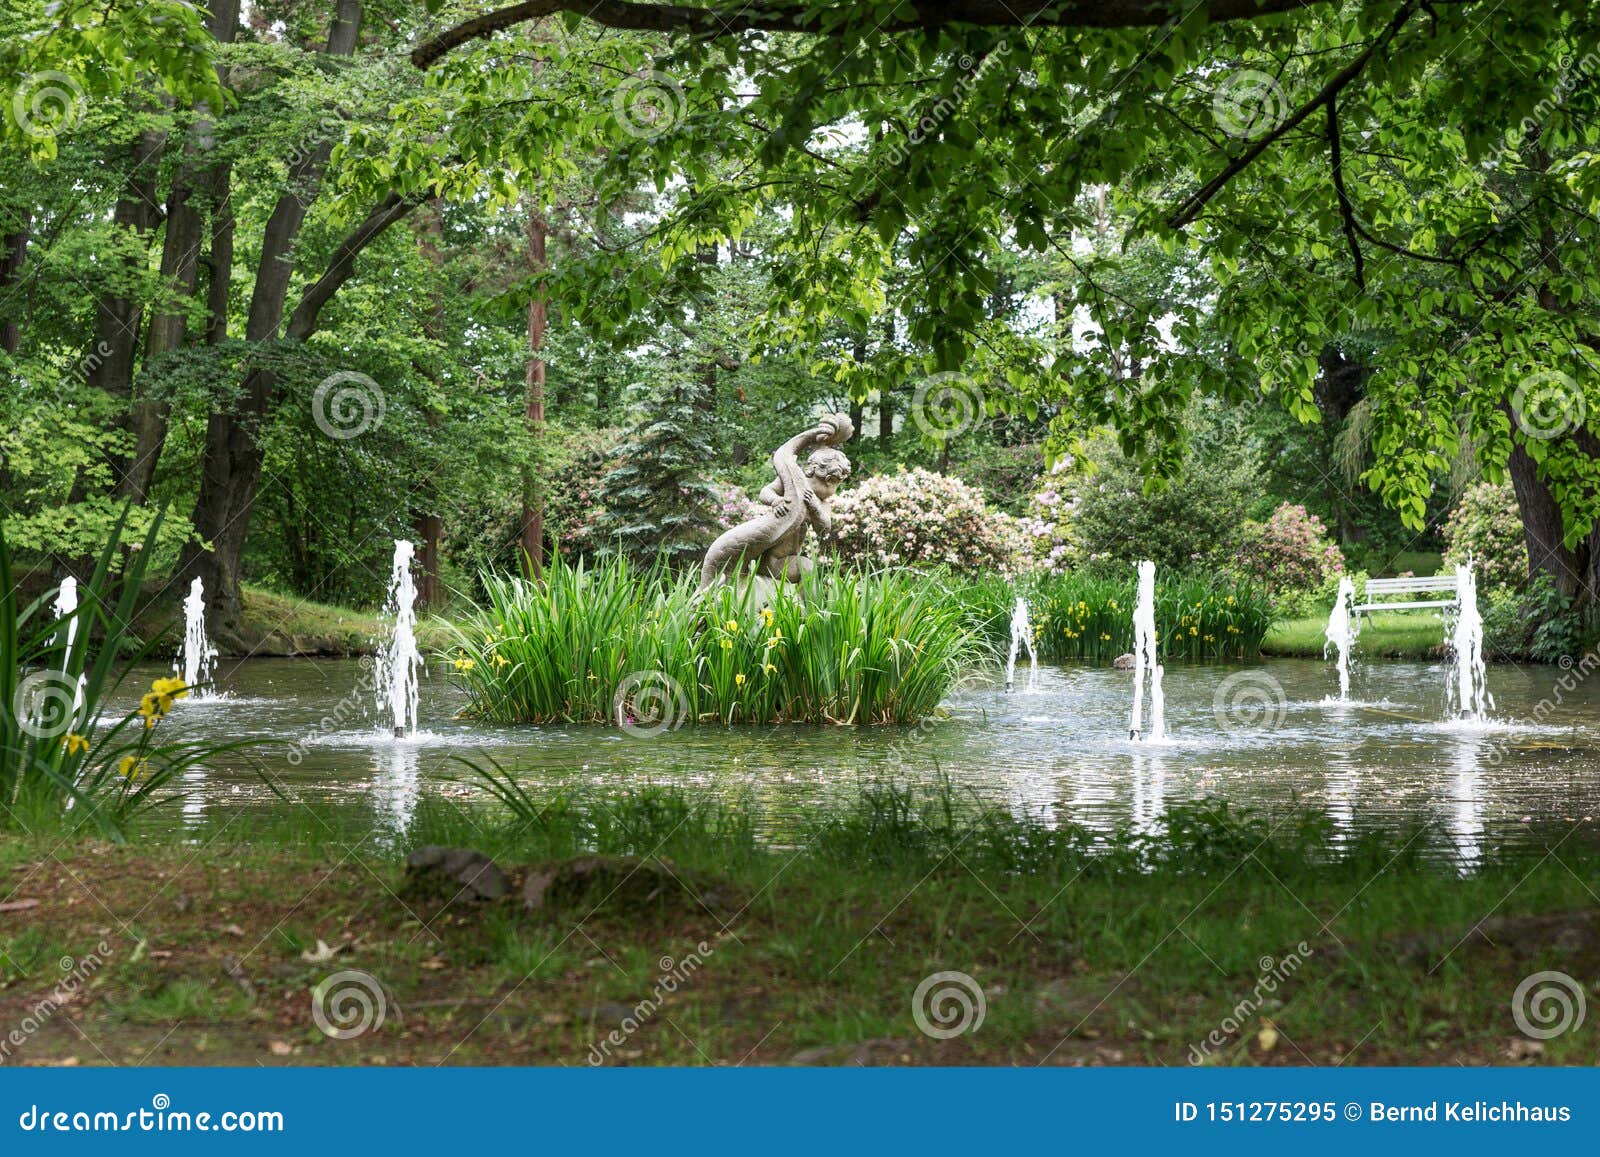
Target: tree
point(656, 497)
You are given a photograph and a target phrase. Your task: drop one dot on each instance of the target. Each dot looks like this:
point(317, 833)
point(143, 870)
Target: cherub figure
point(798, 500)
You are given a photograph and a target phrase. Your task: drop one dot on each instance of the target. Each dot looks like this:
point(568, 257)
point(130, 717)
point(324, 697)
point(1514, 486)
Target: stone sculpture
point(797, 500)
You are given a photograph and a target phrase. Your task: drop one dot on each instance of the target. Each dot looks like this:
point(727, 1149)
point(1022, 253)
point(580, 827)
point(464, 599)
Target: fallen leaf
point(18, 905)
point(279, 1048)
point(1267, 1038)
point(233, 930)
point(433, 964)
point(322, 953)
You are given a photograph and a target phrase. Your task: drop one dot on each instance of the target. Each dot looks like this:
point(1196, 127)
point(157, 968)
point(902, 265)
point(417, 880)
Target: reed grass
point(610, 642)
point(1089, 616)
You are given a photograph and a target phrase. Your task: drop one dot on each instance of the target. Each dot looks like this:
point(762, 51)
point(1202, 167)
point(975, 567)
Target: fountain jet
point(398, 660)
point(66, 608)
point(1467, 689)
point(1341, 633)
point(1021, 636)
point(1145, 658)
point(197, 657)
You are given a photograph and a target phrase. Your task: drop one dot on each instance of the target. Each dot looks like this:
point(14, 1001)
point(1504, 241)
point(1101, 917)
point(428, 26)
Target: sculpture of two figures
point(772, 544)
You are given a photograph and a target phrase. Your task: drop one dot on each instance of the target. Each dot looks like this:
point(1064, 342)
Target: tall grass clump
point(1090, 616)
point(610, 642)
point(62, 758)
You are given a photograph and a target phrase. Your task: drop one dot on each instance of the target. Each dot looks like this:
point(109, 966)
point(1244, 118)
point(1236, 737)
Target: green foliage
point(613, 643)
point(1535, 621)
point(1487, 526)
point(61, 759)
point(1192, 521)
point(655, 498)
point(1090, 616)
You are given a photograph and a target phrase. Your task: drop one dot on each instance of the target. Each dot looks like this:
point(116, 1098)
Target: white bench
point(1443, 587)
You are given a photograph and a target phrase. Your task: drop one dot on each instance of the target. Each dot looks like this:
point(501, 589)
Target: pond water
point(1265, 735)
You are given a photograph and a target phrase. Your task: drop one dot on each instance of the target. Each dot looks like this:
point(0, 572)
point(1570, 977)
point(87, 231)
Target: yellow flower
point(465, 664)
point(501, 661)
point(133, 768)
point(766, 615)
point(1194, 630)
point(1104, 638)
point(74, 743)
point(732, 625)
point(738, 680)
point(774, 640)
point(170, 688)
point(768, 668)
point(727, 644)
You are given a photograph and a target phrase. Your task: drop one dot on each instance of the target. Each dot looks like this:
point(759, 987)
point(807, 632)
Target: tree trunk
point(532, 536)
point(12, 259)
point(231, 472)
point(429, 525)
point(192, 184)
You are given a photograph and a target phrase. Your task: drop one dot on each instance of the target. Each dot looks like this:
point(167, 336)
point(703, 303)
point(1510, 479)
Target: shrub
point(854, 647)
point(919, 518)
point(1290, 554)
point(1049, 544)
point(1182, 524)
point(1090, 616)
point(731, 505)
point(1487, 524)
point(1537, 622)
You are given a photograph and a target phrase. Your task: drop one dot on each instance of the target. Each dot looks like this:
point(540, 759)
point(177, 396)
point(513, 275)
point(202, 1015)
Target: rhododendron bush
point(1487, 524)
point(1290, 553)
point(919, 518)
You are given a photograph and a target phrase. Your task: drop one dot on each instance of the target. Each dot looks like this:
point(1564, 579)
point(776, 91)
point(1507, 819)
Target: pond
point(1263, 735)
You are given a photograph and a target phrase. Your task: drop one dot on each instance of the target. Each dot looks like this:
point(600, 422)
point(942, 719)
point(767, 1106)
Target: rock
point(454, 873)
point(612, 881)
point(877, 1051)
point(1124, 662)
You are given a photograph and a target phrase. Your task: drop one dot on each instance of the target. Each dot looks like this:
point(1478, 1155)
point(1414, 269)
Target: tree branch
point(1346, 213)
point(342, 265)
point(814, 19)
point(1196, 202)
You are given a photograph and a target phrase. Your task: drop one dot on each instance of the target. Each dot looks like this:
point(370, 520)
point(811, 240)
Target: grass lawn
point(1407, 635)
point(1262, 948)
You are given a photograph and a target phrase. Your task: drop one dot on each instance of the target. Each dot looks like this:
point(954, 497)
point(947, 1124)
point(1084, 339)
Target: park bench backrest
point(1442, 586)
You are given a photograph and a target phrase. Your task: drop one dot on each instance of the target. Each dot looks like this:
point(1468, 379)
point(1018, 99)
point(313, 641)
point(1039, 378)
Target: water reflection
point(1385, 760)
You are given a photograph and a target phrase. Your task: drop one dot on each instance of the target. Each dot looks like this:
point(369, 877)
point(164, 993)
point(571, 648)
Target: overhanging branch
point(733, 18)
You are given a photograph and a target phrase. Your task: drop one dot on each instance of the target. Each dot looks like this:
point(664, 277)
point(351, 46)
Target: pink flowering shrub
point(1487, 524)
point(1048, 544)
point(919, 518)
point(1290, 553)
point(733, 506)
